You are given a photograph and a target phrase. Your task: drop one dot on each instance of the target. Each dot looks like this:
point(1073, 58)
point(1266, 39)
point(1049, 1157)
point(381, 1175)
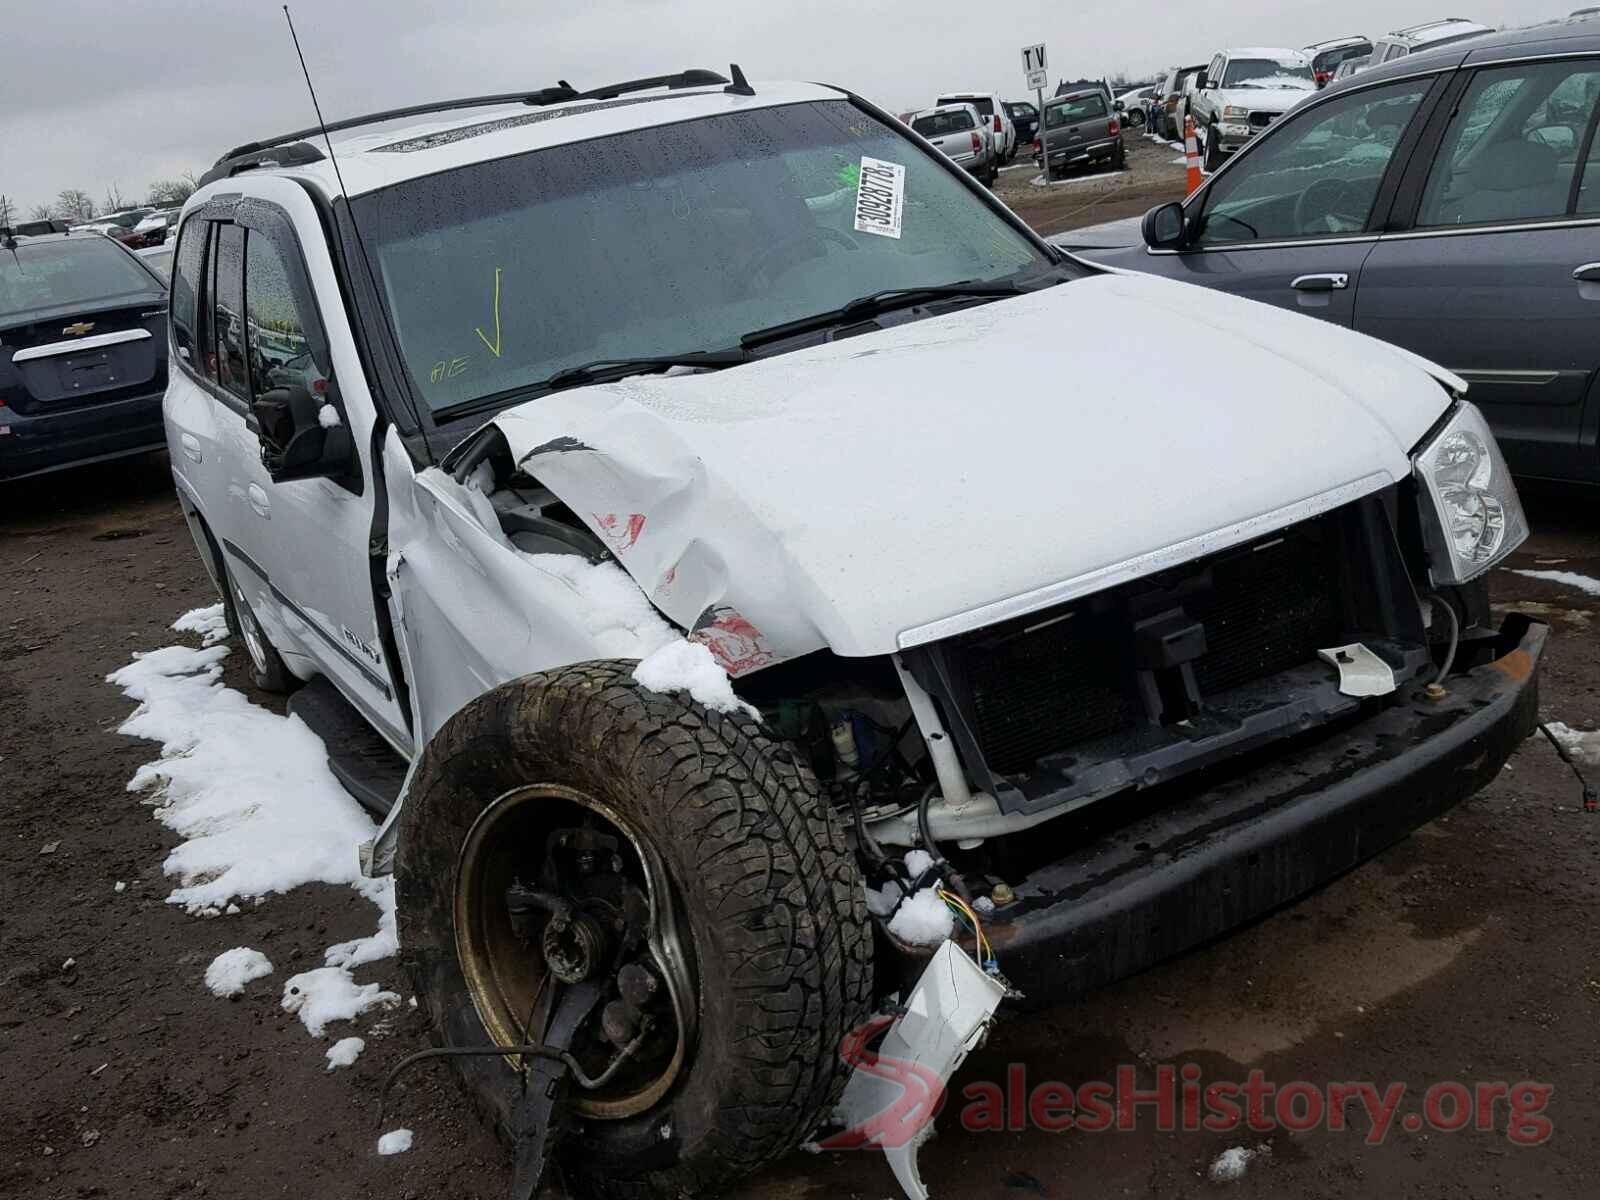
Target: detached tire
point(771, 911)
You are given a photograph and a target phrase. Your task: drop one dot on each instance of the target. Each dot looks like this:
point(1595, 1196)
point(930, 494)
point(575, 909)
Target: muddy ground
point(1470, 952)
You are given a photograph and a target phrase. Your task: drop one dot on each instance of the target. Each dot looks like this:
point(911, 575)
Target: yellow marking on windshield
point(494, 346)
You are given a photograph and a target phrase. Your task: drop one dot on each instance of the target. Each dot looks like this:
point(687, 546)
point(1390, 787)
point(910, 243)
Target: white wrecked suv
point(662, 499)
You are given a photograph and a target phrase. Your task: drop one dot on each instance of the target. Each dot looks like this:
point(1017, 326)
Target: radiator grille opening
point(1040, 684)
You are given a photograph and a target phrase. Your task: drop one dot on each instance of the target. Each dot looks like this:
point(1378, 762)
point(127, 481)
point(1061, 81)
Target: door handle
point(259, 501)
point(1588, 273)
point(1335, 281)
point(191, 447)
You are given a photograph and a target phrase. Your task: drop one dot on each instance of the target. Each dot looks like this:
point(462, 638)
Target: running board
point(359, 758)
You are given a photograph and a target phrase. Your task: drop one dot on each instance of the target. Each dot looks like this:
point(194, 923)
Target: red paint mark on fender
point(737, 645)
point(621, 531)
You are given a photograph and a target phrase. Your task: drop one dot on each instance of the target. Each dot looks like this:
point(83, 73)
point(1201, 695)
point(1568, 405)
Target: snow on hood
point(840, 495)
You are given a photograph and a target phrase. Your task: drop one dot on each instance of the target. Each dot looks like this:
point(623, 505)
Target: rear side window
point(186, 274)
point(1511, 150)
point(229, 309)
point(280, 352)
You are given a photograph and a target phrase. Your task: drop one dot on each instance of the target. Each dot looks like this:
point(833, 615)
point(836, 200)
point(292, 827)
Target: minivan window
point(658, 241)
point(938, 124)
point(186, 268)
point(1511, 149)
point(229, 309)
point(280, 352)
point(1316, 175)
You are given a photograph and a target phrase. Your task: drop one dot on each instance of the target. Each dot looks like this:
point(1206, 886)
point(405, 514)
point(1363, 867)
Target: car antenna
point(740, 85)
point(361, 244)
point(316, 107)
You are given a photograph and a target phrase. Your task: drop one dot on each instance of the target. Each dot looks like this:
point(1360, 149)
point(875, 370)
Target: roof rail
point(562, 93)
point(290, 154)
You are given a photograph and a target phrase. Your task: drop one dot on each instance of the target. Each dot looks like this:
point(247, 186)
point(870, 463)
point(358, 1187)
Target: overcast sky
point(100, 93)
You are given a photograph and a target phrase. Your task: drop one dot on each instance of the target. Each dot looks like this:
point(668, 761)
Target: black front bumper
point(1299, 818)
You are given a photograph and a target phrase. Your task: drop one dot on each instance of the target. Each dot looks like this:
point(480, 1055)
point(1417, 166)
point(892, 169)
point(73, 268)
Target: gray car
point(1082, 130)
point(1441, 203)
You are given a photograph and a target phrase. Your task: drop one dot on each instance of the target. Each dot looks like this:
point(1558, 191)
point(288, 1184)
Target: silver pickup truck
point(962, 136)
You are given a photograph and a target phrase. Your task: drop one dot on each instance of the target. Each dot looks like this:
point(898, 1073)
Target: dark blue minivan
point(1448, 203)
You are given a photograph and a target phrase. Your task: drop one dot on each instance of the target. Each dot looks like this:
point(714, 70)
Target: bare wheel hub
point(556, 889)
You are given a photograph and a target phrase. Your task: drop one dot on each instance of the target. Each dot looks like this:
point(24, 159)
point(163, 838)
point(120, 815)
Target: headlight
point(1232, 112)
point(1476, 517)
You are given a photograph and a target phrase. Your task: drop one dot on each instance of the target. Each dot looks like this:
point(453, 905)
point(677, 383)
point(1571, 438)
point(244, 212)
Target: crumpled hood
point(842, 495)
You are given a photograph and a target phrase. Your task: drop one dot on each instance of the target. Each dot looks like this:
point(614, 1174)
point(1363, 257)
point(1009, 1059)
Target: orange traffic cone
point(1191, 151)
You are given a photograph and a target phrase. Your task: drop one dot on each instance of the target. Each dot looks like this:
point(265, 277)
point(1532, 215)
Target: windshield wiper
point(601, 370)
point(881, 302)
point(608, 369)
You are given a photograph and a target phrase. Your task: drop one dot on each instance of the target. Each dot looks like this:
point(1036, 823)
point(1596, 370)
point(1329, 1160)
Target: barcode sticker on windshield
point(880, 197)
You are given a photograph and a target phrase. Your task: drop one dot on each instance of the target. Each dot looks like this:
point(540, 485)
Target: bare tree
point(115, 200)
point(172, 191)
point(75, 203)
point(41, 212)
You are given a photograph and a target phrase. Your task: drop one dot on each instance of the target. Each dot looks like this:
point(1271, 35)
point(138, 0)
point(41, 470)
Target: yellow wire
point(959, 905)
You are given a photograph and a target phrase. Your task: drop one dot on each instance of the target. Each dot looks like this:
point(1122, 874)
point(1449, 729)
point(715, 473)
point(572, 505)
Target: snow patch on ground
point(1231, 1164)
point(251, 794)
point(396, 1141)
point(331, 994)
point(1585, 584)
point(684, 666)
point(209, 623)
point(344, 1052)
point(232, 969)
point(1584, 747)
point(249, 790)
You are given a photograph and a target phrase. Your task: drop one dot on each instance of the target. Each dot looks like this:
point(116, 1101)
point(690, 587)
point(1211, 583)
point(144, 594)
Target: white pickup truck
point(1244, 92)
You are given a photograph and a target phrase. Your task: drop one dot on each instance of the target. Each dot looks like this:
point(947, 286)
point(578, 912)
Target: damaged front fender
point(890, 1100)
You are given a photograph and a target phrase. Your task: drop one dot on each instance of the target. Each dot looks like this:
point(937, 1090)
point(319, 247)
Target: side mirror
point(1120, 106)
point(295, 444)
point(1165, 227)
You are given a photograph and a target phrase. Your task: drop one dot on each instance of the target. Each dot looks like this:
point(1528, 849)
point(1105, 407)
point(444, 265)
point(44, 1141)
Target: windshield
point(1268, 73)
point(60, 274)
point(664, 241)
point(1080, 108)
point(938, 124)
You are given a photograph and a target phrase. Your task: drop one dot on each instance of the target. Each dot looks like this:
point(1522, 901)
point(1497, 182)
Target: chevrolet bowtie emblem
point(80, 328)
